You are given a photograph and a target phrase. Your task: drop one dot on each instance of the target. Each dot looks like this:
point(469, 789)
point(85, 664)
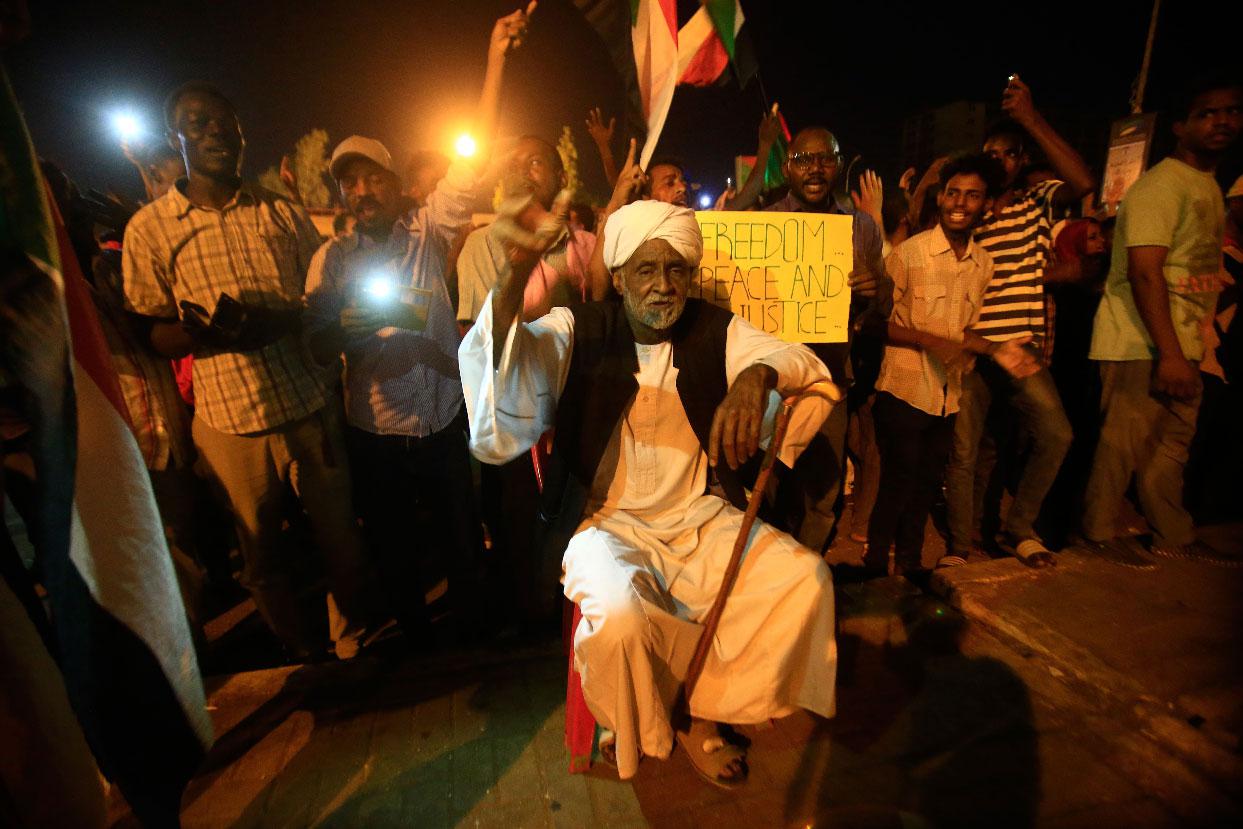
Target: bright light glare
point(126, 125)
point(380, 288)
point(465, 145)
point(705, 201)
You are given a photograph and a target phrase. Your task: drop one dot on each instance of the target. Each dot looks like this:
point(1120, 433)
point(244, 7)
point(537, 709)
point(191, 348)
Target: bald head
point(812, 165)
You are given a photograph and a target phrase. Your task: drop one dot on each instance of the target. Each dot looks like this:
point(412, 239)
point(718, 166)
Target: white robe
point(647, 560)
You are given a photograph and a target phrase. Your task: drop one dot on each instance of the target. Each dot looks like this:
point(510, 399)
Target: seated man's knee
point(615, 621)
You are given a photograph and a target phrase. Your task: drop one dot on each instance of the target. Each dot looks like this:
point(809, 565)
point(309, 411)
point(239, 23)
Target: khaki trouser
point(253, 471)
point(1146, 436)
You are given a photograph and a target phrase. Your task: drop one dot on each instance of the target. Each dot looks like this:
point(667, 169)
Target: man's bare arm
point(1068, 164)
point(1175, 374)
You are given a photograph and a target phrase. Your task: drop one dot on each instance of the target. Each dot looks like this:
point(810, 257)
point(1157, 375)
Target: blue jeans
point(1038, 408)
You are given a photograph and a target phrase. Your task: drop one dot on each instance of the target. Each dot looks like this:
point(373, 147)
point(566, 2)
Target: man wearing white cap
point(378, 297)
point(650, 395)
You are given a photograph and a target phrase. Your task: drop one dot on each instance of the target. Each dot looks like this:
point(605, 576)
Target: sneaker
point(1124, 552)
point(1196, 551)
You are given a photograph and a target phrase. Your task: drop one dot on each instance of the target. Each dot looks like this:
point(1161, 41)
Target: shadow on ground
point(924, 736)
point(386, 743)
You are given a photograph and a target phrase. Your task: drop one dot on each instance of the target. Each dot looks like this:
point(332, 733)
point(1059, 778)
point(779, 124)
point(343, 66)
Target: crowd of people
point(1015, 360)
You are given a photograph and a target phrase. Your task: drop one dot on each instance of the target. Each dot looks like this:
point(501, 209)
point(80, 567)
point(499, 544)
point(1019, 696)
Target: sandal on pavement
point(1033, 553)
point(948, 561)
point(716, 760)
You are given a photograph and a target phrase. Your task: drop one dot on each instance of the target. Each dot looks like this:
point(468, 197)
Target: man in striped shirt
point(1017, 235)
point(379, 297)
point(215, 268)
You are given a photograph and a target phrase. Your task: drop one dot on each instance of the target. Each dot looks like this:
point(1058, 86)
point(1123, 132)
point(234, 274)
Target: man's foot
point(1196, 551)
point(607, 746)
point(717, 760)
point(1123, 552)
point(1033, 553)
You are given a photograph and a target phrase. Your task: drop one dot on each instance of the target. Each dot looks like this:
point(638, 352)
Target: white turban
point(639, 221)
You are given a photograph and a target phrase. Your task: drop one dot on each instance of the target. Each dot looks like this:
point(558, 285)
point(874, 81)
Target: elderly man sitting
point(646, 395)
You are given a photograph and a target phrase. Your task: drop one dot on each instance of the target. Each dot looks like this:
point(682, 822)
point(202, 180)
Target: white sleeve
point(796, 367)
point(511, 404)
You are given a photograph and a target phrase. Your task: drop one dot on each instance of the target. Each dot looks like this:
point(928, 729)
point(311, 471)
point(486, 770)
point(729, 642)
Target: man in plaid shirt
point(215, 268)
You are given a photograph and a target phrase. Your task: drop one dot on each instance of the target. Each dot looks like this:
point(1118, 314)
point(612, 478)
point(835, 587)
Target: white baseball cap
point(356, 146)
point(1236, 189)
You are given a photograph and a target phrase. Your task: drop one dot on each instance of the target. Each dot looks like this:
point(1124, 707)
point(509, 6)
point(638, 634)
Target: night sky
point(409, 72)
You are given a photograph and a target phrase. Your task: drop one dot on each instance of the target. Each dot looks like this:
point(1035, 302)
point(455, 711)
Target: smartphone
point(228, 316)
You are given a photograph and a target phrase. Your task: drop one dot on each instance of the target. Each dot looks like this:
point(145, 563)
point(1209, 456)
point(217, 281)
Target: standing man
point(216, 268)
point(379, 297)
point(1148, 337)
point(809, 499)
point(524, 576)
point(939, 278)
point(1017, 233)
point(561, 278)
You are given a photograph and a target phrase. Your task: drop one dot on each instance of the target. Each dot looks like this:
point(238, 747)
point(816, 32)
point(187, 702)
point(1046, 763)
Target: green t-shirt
point(1174, 206)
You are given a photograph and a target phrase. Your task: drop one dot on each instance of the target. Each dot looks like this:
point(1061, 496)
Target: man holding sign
point(809, 501)
point(646, 394)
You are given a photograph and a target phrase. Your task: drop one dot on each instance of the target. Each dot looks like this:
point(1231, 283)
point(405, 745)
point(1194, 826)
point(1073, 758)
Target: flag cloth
point(121, 633)
point(653, 54)
point(654, 37)
point(713, 39)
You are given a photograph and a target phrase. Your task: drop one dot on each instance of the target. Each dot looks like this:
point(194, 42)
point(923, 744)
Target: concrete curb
point(972, 590)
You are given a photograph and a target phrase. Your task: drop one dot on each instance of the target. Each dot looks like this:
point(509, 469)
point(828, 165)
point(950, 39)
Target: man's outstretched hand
point(736, 424)
point(509, 31)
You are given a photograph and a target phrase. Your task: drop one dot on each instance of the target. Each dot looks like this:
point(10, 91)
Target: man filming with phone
point(379, 297)
point(215, 268)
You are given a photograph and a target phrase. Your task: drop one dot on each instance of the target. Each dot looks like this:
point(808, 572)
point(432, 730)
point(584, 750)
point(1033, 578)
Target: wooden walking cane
point(820, 388)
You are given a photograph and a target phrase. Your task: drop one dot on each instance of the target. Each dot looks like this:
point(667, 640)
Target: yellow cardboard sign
point(785, 273)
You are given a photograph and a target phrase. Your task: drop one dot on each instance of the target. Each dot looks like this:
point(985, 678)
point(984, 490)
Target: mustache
point(368, 201)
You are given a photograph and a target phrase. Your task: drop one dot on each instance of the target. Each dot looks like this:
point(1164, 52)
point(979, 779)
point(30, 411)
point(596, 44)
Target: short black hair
point(558, 162)
point(198, 87)
point(667, 161)
point(1008, 128)
point(975, 164)
point(586, 215)
point(1185, 98)
point(425, 158)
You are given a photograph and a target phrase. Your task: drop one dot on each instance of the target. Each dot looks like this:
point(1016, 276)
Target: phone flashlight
point(379, 290)
point(126, 125)
point(1011, 78)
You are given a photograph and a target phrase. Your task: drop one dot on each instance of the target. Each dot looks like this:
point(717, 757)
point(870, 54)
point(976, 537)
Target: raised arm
point(629, 184)
point(1068, 164)
point(603, 136)
point(507, 35)
point(770, 128)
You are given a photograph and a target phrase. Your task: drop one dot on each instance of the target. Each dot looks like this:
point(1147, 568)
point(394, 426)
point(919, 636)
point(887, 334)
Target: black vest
point(601, 384)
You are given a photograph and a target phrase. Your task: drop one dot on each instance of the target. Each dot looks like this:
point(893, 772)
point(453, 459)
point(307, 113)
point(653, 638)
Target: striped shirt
point(1018, 238)
point(399, 382)
point(256, 249)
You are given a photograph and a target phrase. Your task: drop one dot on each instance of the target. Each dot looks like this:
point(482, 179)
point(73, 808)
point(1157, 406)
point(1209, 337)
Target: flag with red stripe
point(120, 628)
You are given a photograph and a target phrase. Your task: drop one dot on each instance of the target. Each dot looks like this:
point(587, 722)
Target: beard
point(657, 318)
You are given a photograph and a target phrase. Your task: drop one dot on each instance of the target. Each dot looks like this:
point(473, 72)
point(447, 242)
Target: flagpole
point(1137, 92)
